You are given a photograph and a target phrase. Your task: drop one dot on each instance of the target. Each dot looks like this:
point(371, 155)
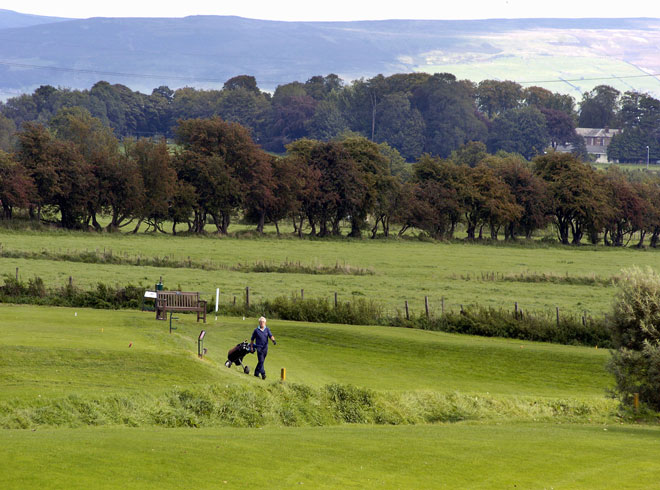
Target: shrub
point(635, 325)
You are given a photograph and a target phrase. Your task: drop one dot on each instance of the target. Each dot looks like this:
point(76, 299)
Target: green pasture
point(402, 269)
point(552, 71)
point(530, 456)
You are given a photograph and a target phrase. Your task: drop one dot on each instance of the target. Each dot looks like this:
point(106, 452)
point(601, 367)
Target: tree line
point(415, 113)
point(75, 170)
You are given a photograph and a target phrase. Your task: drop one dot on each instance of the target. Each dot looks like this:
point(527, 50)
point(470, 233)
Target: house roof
point(597, 132)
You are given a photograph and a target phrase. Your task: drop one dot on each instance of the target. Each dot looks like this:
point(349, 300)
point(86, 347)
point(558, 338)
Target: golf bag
point(236, 355)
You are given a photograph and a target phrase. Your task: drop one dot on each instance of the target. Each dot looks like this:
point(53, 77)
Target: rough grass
point(171, 262)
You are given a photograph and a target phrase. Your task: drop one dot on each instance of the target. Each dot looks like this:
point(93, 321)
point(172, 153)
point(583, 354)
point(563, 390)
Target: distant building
point(597, 140)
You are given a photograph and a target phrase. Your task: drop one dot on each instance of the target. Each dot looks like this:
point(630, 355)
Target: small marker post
point(217, 299)
point(283, 374)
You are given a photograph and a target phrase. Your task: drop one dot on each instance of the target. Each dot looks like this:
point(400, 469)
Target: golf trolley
point(236, 355)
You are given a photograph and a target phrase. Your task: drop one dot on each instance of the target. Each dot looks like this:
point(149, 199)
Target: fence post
point(17, 273)
point(247, 296)
point(407, 312)
point(70, 281)
point(426, 306)
point(557, 315)
point(302, 295)
point(335, 300)
point(516, 307)
point(443, 306)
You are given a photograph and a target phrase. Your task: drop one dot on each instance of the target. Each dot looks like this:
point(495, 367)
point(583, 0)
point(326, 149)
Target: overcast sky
point(333, 10)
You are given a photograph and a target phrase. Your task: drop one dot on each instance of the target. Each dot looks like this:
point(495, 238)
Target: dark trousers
point(261, 358)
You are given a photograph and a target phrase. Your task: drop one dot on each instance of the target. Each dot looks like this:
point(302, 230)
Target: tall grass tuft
point(284, 404)
point(169, 261)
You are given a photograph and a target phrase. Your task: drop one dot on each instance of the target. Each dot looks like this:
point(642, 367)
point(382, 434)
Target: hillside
point(10, 19)
point(205, 51)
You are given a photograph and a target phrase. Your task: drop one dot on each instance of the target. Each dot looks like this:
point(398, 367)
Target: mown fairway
point(529, 456)
point(50, 353)
point(402, 270)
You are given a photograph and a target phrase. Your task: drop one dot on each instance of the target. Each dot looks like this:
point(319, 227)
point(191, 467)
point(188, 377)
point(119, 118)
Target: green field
point(98, 398)
point(402, 269)
point(52, 357)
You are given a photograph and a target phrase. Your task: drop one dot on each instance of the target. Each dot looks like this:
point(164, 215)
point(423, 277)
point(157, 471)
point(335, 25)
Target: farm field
point(399, 270)
point(55, 358)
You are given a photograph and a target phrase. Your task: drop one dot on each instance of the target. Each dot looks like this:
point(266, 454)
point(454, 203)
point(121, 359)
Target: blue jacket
point(260, 337)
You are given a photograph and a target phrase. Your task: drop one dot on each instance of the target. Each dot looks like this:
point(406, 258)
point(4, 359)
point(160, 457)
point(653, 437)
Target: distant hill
point(205, 51)
point(9, 19)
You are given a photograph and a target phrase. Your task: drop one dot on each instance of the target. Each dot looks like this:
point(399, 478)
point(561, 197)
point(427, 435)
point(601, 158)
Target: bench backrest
point(179, 298)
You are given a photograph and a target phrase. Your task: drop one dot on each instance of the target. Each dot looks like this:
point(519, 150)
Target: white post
point(217, 300)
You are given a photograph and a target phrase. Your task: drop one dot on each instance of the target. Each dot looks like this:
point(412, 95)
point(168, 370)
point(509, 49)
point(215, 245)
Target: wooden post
point(407, 312)
point(283, 374)
point(302, 295)
point(247, 296)
point(516, 307)
point(557, 315)
point(234, 300)
point(335, 299)
point(584, 319)
point(17, 273)
point(443, 305)
point(70, 281)
point(636, 401)
point(426, 306)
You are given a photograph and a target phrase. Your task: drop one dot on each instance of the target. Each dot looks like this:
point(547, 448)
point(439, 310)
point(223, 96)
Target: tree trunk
point(374, 229)
point(494, 232)
point(471, 228)
point(355, 229)
point(137, 227)
point(262, 220)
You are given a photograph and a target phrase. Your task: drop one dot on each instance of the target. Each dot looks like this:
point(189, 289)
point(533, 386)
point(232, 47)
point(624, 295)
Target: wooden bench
point(179, 301)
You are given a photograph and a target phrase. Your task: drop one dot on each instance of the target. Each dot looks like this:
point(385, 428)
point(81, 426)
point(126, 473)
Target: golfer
point(259, 340)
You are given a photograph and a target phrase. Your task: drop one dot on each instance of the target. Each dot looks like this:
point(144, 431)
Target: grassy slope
point(53, 351)
point(404, 270)
point(50, 352)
